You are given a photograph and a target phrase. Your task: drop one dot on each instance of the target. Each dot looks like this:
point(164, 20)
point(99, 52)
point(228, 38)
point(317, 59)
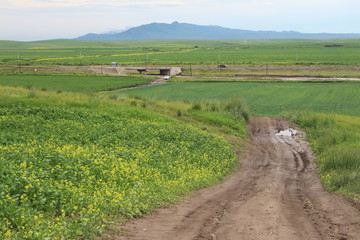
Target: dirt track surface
point(275, 195)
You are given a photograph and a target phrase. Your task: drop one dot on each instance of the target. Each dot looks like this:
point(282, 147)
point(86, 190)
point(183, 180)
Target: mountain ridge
point(190, 31)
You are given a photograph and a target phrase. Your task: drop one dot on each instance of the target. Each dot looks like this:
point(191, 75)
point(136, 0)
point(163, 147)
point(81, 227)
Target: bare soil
point(159, 80)
point(275, 194)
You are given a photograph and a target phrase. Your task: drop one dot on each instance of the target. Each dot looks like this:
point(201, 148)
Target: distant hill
point(178, 30)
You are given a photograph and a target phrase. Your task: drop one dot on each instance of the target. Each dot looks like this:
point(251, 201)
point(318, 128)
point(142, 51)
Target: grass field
point(182, 52)
point(73, 83)
point(336, 142)
point(264, 98)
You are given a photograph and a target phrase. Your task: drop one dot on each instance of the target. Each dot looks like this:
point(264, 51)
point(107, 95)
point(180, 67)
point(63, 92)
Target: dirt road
point(274, 195)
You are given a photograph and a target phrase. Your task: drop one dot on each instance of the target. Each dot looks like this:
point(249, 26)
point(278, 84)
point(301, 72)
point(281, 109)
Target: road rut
point(275, 194)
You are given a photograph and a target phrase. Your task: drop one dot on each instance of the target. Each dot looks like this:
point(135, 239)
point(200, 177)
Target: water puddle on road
point(287, 133)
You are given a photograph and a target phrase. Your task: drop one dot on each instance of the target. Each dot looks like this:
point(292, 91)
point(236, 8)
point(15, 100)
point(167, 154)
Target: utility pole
point(80, 58)
point(190, 70)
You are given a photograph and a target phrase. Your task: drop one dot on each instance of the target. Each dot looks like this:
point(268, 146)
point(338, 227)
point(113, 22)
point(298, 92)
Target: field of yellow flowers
point(67, 168)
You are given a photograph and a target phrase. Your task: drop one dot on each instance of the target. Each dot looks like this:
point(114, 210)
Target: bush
point(179, 113)
point(196, 106)
point(236, 108)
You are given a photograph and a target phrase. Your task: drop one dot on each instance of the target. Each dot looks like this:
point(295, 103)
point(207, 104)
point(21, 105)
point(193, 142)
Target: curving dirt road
point(275, 195)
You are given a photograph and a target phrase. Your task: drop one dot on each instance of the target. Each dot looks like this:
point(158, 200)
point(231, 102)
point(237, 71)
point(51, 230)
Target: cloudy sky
point(27, 20)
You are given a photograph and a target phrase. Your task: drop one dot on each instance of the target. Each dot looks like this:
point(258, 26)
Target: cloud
point(12, 4)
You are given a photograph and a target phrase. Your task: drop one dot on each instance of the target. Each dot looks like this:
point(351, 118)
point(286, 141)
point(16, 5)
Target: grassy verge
point(227, 119)
point(336, 142)
point(70, 163)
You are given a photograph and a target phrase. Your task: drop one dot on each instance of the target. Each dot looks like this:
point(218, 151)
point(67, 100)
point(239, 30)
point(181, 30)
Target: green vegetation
point(335, 138)
point(170, 52)
point(231, 114)
point(236, 73)
point(73, 83)
point(336, 142)
point(264, 98)
point(72, 162)
point(69, 163)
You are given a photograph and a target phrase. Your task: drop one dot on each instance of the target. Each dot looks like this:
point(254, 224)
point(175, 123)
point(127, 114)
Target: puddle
point(287, 133)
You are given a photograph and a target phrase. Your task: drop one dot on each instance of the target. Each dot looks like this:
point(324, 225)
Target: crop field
point(264, 98)
point(73, 83)
point(177, 52)
point(236, 73)
point(74, 158)
point(68, 165)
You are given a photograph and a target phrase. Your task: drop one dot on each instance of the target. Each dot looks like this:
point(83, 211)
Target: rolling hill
point(178, 30)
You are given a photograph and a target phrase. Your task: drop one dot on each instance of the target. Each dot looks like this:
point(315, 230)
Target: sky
point(30, 20)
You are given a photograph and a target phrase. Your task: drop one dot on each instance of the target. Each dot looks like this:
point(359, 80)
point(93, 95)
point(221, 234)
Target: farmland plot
point(264, 98)
point(70, 165)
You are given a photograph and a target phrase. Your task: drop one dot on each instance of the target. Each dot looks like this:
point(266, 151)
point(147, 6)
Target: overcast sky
point(27, 20)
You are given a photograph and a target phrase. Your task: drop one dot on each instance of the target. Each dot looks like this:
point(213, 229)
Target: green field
point(73, 83)
point(182, 52)
point(261, 72)
point(72, 162)
point(264, 98)
point(69, 165)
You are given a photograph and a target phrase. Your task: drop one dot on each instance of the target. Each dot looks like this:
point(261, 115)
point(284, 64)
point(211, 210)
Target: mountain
point(178, 30)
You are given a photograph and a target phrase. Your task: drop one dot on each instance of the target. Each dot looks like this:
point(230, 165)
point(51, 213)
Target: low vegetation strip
point(66, 169)
point(72, 83)
point(336, 142)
